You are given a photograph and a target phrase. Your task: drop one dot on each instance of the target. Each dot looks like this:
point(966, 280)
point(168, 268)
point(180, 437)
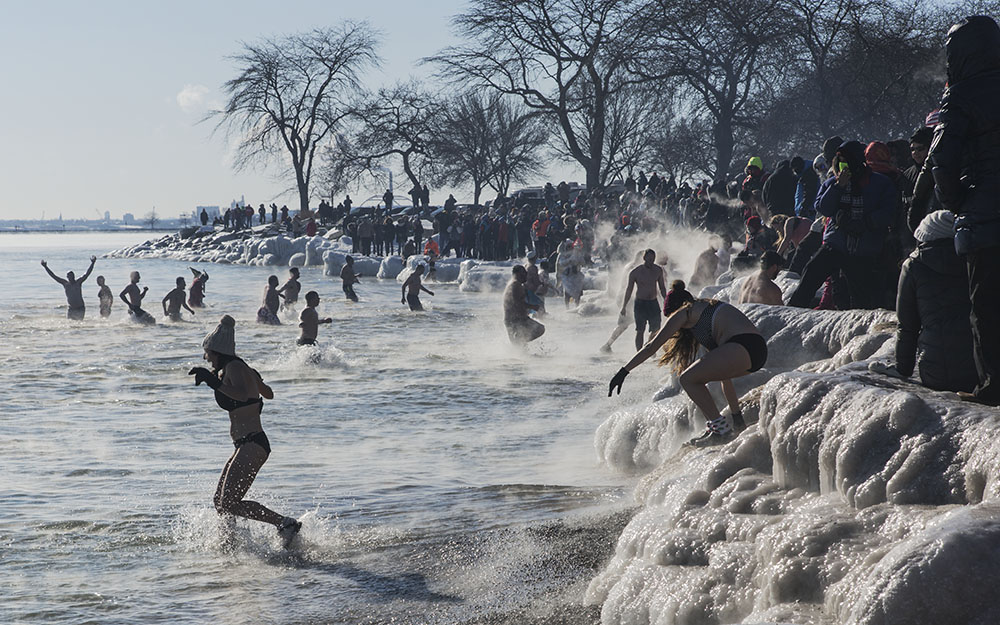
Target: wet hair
point(770, 258)
point(180, 281)
point(294, 270)
point(310, 295)
point(272, 280)
point(518, 269)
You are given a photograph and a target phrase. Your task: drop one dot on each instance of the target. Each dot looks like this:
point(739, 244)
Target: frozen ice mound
point(856, 498)
point(445, 269)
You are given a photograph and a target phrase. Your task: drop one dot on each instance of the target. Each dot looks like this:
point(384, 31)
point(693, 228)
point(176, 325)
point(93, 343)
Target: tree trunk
point(723, 134)
point(409, 170)
point(303, 186)
point(477, 190)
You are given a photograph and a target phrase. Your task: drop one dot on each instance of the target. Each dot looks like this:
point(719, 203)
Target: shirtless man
point(134, 300)
point(624, 321)
point(521, 328)
point(349, 278)
point(412, 288)
point(534, 284)
point(105, 296)
point(290, 290)
point(309, 320)
point(760, 287)
point(74, 290)
point(174, 300)
point(646, 278)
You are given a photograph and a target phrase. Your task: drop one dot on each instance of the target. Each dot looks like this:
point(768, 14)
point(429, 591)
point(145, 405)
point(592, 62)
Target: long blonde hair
point(681, 349)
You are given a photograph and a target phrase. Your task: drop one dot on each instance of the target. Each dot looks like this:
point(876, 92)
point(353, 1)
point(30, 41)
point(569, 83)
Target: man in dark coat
point(964, 161)
point(806, 188)
point(779, 190)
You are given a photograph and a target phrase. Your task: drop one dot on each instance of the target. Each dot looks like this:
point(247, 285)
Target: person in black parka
point(932, 306)
point(963, 169)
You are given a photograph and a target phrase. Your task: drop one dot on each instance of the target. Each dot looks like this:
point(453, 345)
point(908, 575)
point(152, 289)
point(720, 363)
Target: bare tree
point(151, 219)
point(393, 123)
point(563, 58)
point(725, 53)
point(519, 135)
point(289, 95)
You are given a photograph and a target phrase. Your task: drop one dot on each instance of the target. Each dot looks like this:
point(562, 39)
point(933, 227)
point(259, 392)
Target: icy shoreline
point(856, 498)
point(263, 247)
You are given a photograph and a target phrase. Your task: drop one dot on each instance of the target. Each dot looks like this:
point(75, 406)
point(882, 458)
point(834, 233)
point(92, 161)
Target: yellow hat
point(756, 162)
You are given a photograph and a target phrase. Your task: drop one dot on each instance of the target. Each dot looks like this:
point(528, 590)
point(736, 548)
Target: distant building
point(128, 219)
point(107, 216)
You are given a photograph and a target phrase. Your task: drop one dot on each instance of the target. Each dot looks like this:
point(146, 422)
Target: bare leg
point(235, 481)
point(731, 397)
point(727, 361)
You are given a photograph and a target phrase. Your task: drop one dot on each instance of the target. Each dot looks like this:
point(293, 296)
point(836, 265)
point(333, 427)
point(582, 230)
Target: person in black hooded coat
point(932, 306)
point(779, 190)
point(963, 169)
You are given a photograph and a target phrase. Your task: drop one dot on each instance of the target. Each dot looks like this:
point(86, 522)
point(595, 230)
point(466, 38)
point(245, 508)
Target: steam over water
point(441, 475)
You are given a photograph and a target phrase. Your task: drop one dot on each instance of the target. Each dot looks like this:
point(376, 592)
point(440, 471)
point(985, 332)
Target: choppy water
point(442, 475)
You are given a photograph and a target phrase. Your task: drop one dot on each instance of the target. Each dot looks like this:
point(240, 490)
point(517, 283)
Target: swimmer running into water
point(349, 278)
point(105, 296)
point(134, 300)
point(74, 289)
point(735, 348)
point(309, 320)
point(412, 288)
point(521, 328)
point(268, 311)
point(290, 290)
point(174, 300)
point(239, 390)
point(196, 294)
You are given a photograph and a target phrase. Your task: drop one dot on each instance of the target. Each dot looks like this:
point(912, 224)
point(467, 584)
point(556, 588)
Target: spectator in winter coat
point(755, 177)
point(806, 187)
point(779, 190)
point(861, 204)
point(965, 163)
point(933, 310)
point(920, 145)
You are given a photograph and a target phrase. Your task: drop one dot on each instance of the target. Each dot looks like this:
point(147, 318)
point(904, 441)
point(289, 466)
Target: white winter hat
point(936, 225)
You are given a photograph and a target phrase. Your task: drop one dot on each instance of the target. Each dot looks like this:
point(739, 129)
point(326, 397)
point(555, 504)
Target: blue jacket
point(863, 237)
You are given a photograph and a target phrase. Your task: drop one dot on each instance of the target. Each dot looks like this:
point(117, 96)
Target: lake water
point(442, 475)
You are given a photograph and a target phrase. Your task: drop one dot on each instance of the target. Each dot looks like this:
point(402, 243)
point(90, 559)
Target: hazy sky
point(101, 99)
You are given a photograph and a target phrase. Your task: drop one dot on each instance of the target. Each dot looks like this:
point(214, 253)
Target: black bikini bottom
point(755, 345)
point(257, 437)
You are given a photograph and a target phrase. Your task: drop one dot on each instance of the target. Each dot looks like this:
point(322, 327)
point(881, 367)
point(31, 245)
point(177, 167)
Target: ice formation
point(856, 498)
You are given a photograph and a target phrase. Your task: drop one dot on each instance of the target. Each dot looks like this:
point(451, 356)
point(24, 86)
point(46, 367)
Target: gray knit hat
point(936, 225)
point(222, 340)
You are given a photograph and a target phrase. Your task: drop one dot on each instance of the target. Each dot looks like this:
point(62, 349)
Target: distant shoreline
point(9, 230)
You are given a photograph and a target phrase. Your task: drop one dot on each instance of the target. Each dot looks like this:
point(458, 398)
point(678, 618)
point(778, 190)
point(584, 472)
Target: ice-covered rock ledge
point(855, 499)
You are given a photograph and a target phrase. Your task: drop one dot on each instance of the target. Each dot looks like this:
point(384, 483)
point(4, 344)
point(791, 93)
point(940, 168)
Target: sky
point(103, 99)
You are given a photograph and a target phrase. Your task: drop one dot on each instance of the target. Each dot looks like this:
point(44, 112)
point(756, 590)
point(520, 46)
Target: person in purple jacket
point(861, 204)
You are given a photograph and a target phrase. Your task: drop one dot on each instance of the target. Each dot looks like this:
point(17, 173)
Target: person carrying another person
point(760, 287)
point(74, 289)
point(196, 294)
point(734, 348)
point(861, 204)
point(521, 328)
point(646, 279)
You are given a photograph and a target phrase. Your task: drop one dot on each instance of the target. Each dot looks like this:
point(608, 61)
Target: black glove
point(617, 381)
point(201, 374)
